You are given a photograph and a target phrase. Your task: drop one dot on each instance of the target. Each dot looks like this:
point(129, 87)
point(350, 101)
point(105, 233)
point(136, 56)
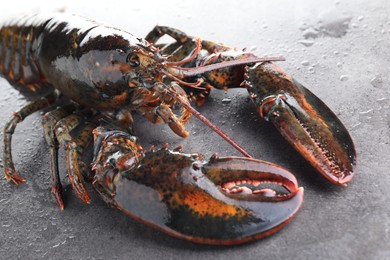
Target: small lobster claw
point(225, 201)
point(304, 121)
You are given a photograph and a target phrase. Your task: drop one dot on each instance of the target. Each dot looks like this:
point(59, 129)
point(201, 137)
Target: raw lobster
point(101, 74)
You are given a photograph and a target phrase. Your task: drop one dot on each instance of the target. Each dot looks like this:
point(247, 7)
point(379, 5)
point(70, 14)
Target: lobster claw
point(304, 121)
point(221, 201)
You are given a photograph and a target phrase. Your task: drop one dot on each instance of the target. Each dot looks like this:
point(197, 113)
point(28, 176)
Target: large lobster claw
point(226, 201)
point(304, 121)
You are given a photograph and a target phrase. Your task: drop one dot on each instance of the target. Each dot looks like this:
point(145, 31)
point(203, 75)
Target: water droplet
point(365, 116)
point(226, 100)
point(384, 103)
point(344, 77)
point(377, 81)
point(377, 115)
point(306, 43)
point(332, 23)
point(360, 18)
point(252, 48)
point(305, 63)
point(354, 25)
point(310, 33)
point(303, 26)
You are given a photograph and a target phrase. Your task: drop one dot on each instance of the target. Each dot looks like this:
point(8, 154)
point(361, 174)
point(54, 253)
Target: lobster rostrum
point(101, 74)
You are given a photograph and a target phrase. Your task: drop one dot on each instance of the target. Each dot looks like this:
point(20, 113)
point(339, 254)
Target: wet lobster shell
point(220, 201)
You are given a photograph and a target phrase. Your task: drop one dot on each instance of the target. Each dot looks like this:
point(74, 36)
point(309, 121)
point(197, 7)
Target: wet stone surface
point(338, 49)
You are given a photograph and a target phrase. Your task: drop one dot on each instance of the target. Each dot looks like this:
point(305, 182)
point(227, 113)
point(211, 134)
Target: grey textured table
point(338, 49)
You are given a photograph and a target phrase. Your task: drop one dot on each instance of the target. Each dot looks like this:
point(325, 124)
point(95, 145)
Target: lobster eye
point(133, 60)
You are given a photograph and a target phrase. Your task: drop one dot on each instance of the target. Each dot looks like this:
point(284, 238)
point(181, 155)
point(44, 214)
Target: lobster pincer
point(228, 200)
point(303, 120)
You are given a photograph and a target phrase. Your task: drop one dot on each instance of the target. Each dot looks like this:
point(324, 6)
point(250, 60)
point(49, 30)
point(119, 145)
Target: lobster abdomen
point(19, 45)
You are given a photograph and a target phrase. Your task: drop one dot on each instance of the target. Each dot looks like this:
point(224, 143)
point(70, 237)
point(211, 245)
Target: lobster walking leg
point(49, 120)
point(212, 52)
point(183, 39)
point(73, 135)
point(158, 31)
point(9, 169)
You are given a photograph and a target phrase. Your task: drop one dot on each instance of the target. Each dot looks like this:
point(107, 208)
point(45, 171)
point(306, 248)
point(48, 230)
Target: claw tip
point(87, 199)
point(342, 183)
point(215, 156)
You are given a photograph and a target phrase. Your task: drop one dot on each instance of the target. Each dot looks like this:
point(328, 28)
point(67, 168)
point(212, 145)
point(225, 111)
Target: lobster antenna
point(189, 72)
point(215, 128)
